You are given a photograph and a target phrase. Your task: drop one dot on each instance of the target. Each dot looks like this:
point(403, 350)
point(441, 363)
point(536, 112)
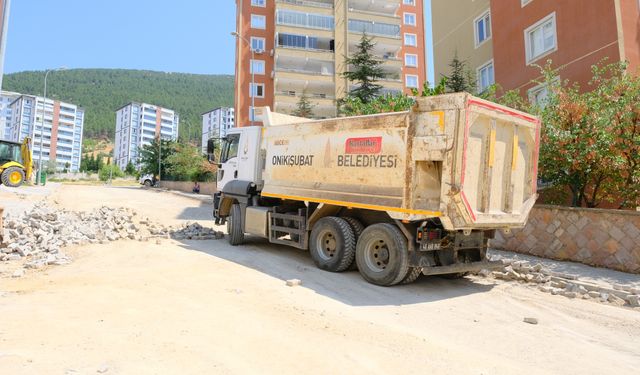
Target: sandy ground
point(199, 307)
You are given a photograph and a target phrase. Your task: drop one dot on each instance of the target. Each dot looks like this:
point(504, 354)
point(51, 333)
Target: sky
point(186, 36)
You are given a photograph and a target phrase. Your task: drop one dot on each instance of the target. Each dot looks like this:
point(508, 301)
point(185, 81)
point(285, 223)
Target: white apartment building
point(138, 124)
point(63, 128)
point(215, 124)
point(6, 98)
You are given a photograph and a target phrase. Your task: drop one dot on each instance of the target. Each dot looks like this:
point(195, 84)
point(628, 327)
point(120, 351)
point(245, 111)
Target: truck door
point(228, 160)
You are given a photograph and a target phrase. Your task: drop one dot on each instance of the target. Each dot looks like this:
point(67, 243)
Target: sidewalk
point(200, 197)
point(601, 276)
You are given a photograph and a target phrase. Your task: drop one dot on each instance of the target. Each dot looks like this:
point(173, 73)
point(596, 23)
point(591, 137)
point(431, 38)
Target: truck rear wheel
point(12, 177)
point(357, 228)
point(332, 244)
point(412, 275)
point(382, 256)
point(234, 226)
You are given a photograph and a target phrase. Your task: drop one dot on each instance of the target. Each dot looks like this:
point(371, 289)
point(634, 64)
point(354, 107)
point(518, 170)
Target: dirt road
point(199, 307)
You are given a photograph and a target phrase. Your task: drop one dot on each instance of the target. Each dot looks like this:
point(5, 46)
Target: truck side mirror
point(211, 150)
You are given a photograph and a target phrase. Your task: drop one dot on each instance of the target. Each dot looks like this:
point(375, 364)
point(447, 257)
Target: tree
point(461, 79)
point(367, 70)
point(130, 169)
point(149, 156)
point(304, 107)
point(186, 164)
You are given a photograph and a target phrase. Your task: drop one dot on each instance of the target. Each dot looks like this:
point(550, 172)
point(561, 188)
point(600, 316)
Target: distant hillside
point(101, 91)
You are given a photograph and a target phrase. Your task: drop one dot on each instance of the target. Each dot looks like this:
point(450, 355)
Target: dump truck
point(16, 162)
point(394, 195)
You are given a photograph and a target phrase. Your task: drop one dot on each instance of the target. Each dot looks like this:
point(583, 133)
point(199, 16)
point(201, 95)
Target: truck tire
point(234, 226)
point(357, 228)
point(412, 275)
point(382, 255)
point(332, 244)
point(147, 183)
point(12, 177)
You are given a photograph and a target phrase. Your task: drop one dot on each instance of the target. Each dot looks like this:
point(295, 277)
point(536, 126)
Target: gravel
point(39, 234)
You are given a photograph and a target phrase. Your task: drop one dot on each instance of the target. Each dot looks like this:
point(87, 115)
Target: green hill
point(102, 91)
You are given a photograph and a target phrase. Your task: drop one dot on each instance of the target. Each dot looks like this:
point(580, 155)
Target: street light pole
point(253, 77)
point(44, 102)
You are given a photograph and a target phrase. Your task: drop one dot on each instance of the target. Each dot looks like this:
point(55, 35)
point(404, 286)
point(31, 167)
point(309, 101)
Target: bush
point(110, 171)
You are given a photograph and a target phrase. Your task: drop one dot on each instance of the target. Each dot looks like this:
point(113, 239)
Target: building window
point(540, 39)
point(483, 28)
point(485, 76)
point(411, 60)
point(539, 95)
point(410, 40)
point(409, 2)
point(524, 2)
point(257, 67)
point(258, 22)
point(259, 3)
point(257, 44)
point(411, 81)
point(257, 90)
point(410, 19)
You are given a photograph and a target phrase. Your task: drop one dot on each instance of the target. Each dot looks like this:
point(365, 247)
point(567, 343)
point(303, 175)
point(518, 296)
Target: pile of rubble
point(564, 284)
point(42, 232)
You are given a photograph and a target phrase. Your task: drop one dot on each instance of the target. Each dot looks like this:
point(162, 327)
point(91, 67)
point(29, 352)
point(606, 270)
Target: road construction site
point(152, 286)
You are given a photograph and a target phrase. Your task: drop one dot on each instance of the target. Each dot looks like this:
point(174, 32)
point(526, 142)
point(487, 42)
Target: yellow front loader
point(16, 162)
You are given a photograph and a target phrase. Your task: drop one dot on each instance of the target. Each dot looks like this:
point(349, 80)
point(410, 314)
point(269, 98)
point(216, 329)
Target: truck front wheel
point(234, 226)
point(332, 244)
point(381, 255)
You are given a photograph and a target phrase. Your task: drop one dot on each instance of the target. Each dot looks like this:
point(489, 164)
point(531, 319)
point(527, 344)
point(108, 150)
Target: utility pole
point(253, 89)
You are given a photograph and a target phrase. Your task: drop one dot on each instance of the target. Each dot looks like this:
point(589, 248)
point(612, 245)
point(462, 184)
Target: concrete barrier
point(207, 188)
point(597, 237)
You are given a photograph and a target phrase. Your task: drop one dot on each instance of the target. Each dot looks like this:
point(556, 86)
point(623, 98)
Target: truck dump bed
point(470, 162)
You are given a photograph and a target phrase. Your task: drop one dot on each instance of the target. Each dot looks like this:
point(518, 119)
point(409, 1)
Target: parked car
point(146, 180)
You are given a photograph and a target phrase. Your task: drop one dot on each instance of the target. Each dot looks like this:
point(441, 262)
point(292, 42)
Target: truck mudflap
point(463, 267)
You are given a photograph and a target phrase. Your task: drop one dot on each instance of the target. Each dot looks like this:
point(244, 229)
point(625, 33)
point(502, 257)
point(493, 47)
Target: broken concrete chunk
point(530, 320)
point(294, 282)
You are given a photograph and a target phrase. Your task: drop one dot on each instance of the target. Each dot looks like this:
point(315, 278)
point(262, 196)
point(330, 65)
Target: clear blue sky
point(187, 36)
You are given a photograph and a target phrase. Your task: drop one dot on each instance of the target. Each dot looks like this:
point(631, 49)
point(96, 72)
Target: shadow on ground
point(349, 288)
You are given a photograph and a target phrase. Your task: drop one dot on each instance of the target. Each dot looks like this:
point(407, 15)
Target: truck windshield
point(230, 147)
point(10, 152)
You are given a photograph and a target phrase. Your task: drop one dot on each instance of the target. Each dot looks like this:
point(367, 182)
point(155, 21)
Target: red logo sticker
point(368, 145)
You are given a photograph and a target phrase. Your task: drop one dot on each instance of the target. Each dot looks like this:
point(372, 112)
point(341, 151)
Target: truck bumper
point(463, 267)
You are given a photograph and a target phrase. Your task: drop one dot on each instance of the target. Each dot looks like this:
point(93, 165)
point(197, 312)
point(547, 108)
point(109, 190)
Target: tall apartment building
point(301, 47)
point(505, 41)
point(6, 98)
point(63, 129)
point(138, 124)
point(215, 124)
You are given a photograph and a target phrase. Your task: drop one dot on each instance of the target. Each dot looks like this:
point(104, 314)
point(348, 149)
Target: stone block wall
point(206, 188)
point(597, 237)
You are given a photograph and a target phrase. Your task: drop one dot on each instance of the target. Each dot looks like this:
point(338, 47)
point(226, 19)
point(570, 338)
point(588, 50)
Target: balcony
point(327, 4)
point(387, 8)
point(306, 20)
point(293, 65)
point(386, 30)
point(304, 42)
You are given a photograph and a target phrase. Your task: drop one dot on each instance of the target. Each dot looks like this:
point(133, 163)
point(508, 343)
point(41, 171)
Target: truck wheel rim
point(327, 245)
point(15, 177)
point(376, 255)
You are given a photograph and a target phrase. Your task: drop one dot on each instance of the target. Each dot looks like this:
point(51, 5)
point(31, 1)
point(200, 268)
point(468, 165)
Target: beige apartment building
point(299, 47)
point(455, 31)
